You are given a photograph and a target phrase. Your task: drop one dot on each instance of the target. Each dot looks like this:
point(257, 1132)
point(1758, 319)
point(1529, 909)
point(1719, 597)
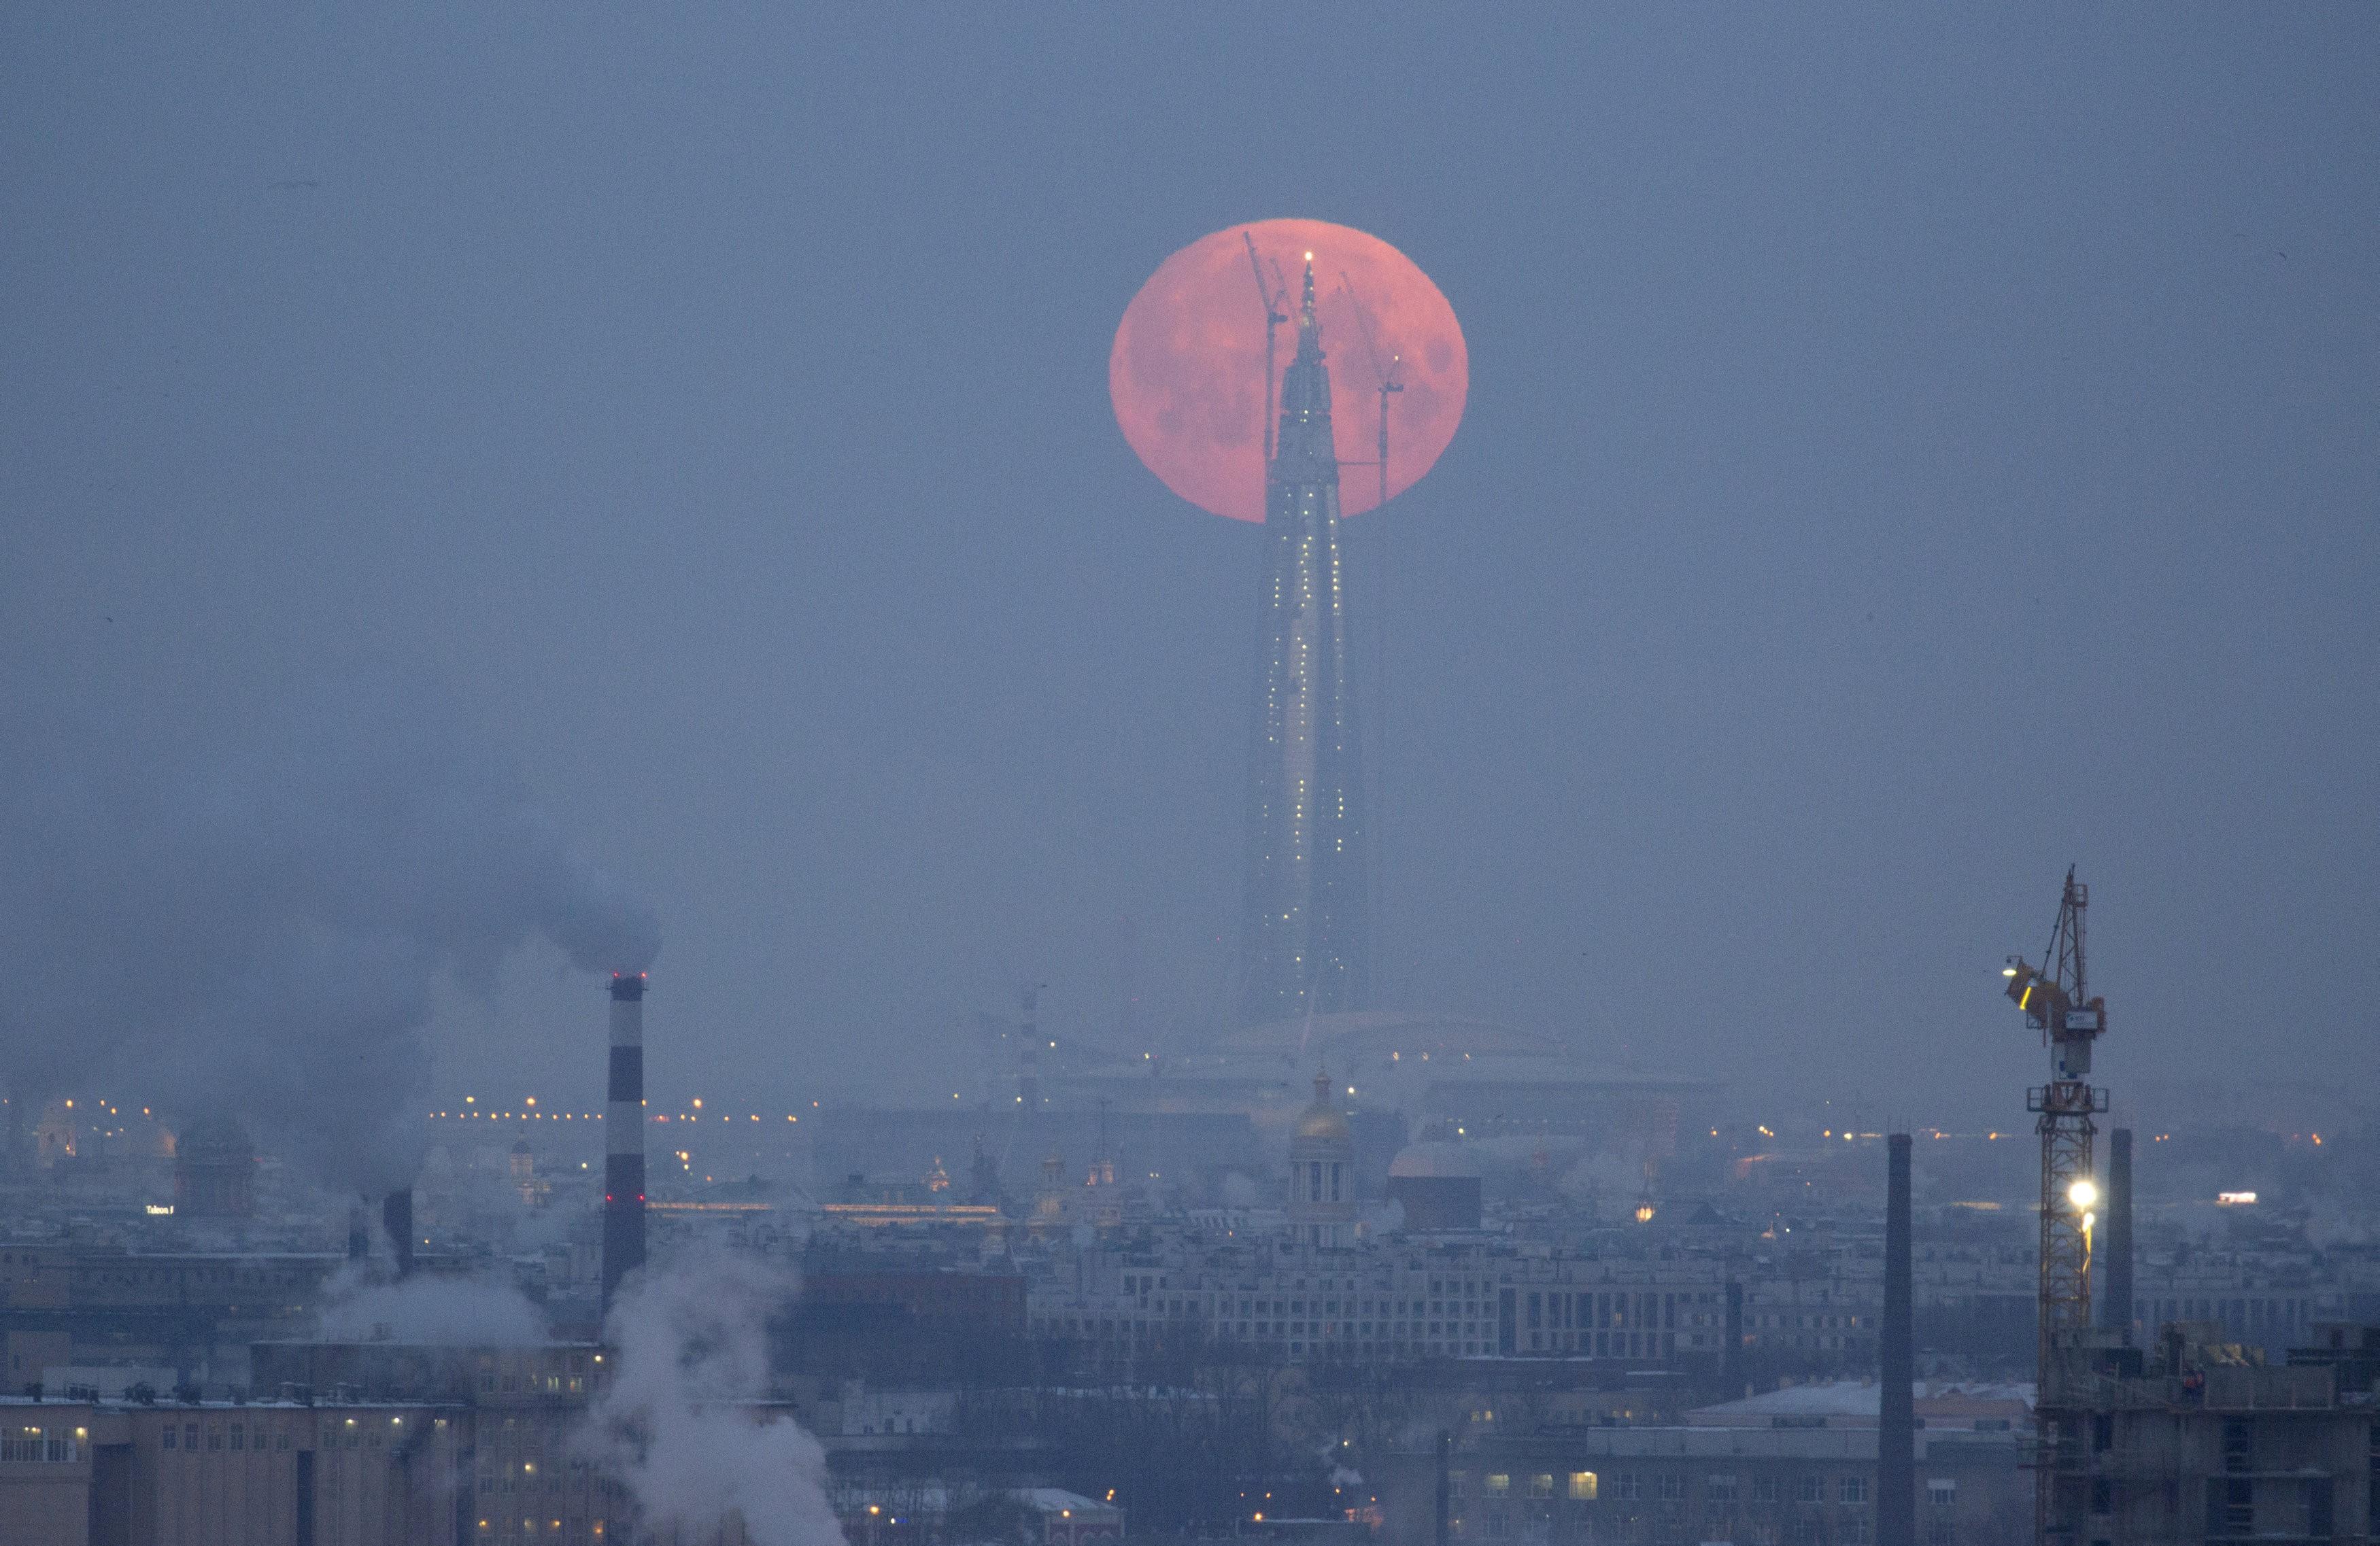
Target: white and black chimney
point(624, 1137)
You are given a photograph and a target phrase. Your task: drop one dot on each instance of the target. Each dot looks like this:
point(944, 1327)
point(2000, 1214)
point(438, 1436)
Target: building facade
point(1801, 1486)
point(1389, 1302)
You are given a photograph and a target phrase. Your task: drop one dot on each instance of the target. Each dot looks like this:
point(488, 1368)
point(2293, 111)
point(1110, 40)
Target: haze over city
point(1906, 455)
point(497, 499)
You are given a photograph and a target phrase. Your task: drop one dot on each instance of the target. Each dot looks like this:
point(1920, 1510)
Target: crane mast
point(2055, 1000)
point(1274, 317)
point(1386, 380)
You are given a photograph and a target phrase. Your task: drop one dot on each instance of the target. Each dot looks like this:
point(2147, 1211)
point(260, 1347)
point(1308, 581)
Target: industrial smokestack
point(1731, 1359)
point(624, 1137)
point(1445, 1492)
point(2115, 1302)
point(358, 1235)
point(397, 1218)
point(1896, 1430)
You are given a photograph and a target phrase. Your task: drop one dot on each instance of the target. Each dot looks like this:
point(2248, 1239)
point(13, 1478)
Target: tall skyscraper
point(1306, 938)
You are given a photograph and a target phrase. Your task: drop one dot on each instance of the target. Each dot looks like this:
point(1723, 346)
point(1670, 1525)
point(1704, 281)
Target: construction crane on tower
point(1274, 299)
point(1386, 380)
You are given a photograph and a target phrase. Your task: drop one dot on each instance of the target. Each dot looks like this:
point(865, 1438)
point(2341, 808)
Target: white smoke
point(678, 1424)
point(432, 1310)
point(249, 919)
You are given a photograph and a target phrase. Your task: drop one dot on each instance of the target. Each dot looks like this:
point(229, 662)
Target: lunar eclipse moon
point(1188, 373)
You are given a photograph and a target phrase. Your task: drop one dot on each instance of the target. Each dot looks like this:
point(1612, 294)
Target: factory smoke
point(254, 923)
point(677, 1423)
point(433, 1311)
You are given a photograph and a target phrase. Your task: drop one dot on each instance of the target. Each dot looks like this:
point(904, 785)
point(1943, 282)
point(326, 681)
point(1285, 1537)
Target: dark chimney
point(1896, 1428)
point(624, 1137)
point(358, 1235)
point(397, 1218)
point(1731, 1358)
point(2116, 1299)
point(1445, 1492)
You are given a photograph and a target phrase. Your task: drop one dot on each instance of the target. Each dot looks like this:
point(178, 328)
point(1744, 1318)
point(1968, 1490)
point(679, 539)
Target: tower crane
point(2056, 1001)
point(1386, 380)
point(1274, 317)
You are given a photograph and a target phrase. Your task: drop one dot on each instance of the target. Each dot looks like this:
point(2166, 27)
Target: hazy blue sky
point(1909, 449)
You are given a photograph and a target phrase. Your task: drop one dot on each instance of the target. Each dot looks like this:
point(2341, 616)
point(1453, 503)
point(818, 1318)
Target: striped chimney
point(624, 1137)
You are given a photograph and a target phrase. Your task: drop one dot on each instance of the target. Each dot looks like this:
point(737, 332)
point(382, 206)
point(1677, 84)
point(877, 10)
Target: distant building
point(1322, 1174)
point(1437, 1185)
point(340, 1473)
point(1385, 1301)
point(1811, 1481)
point(214, 1170)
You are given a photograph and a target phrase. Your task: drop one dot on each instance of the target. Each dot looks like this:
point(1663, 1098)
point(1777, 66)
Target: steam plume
point(437, 1311)
point(692, 1348)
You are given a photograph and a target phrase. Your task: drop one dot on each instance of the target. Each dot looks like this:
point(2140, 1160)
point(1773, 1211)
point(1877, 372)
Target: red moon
point(1187, 374)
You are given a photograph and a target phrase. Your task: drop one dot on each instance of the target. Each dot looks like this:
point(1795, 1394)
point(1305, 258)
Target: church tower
point(1322, 1174)
point(1305, 945)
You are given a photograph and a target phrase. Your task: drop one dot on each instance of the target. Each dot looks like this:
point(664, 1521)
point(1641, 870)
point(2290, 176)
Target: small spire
point(1322, 1086)
point(1306, 300)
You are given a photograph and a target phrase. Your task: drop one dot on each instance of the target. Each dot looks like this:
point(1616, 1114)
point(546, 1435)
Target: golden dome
point(1323, 1119)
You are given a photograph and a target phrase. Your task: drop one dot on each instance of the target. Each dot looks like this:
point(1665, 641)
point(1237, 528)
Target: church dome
point(1323, 1119)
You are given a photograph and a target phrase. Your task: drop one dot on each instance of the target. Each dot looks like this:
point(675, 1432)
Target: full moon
point(1187, 374)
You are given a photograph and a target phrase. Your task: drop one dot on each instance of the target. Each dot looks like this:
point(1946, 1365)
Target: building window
point(167, 1438)
point(1719, 1488)
point(1541, 1486)
point(1765, 1490)
point(1810, 1488)
point(1581, 1486)
point(1851, 1490)
point(1672, 1487)
point(1942, 1491)
point(1498, 1484)
point(1625, 1487)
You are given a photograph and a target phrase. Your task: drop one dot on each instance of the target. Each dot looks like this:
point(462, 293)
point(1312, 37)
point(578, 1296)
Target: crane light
point(2083, 1194)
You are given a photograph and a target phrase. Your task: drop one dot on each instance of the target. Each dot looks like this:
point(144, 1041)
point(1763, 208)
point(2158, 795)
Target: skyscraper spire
point(1304, 941)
